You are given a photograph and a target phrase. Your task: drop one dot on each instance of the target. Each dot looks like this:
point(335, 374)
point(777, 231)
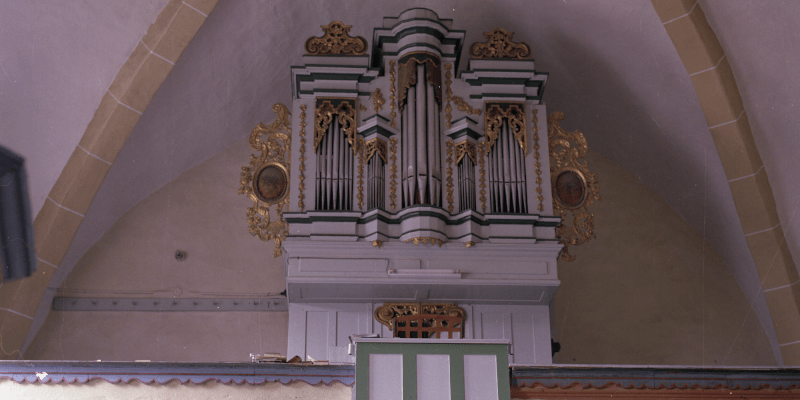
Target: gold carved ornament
point(493, 121)
point(408, 77)
point(275, 155)
point(389, 311)
point(449, 177)
point(575, 187)
point(448, 94)
point(499, 45)
point(482, 152)
point(466, 148)
point(538, 163)
point(392, 90)
point(323, 116)
point(377, 100)
point(463, 106)
point(302, 177)
point(336, 40)
point(393, 171)
point(374, 146)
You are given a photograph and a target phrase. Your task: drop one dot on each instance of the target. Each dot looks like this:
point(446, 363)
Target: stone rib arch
point(117, 114)
point(713, 80)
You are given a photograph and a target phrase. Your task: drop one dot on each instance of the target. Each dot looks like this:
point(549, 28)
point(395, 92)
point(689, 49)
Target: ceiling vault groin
point(713, 81)
point(117, 114)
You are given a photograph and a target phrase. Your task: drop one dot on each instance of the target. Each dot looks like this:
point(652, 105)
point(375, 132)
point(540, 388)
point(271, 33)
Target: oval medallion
point(271, 183)
point(570, 189)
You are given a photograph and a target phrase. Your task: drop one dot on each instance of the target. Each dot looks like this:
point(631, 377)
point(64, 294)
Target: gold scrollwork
point(393, 171)
point(375, 146)
point(448, 94)
point(538, 163)
point(337, 40)
point(499, 45)
point(463, 106)
point(302, 177)
point(449, 176)
point(493, 120)
point(577, 190)
point(466, 148)
point(389, 311)
point(275, 152)
point(425, 240)
point(362, 107)
point(377, 243)
point(377, 100)
point(360, 151)
point(408, 76)
point(392, 91)
point(323, 116)
point(482, 185)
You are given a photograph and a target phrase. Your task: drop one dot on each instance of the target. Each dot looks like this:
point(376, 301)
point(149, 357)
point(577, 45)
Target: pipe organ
point(435, 197)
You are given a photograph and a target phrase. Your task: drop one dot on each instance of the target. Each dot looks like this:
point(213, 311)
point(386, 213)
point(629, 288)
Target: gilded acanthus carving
point(336, 40)
point(574, 186)
point(265, 180)
point(499, 45)
point(374, 146)
point(466, 148)
point(463, 106)
point(377, 100)
point(389, 311)
point(425, 240)
point(493, 121)
point(323, 116)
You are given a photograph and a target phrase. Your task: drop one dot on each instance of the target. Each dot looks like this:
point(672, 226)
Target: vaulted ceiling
point(696, 100)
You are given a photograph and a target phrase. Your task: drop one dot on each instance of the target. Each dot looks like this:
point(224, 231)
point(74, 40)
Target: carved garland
point(336, 40)
point(493, 120)
point(389, 311)
point(575, 187)
point(538, 163)
point(482, 151)
point(393, 171)
point(450, 176)
point(392, 90)
point(499, 45)
point(425, 240)
point(323, 116)
point(448, 94)
point(377, 100)
point(275, 156)
point(463, 106)
point(302, 177)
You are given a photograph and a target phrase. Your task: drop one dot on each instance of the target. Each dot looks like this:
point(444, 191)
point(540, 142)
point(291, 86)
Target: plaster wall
point(101, 390)
point(647, 290)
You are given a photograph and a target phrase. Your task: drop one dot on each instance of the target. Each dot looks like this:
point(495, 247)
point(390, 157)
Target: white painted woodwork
point(433, 376)
point(480, 377)
point(386, 376)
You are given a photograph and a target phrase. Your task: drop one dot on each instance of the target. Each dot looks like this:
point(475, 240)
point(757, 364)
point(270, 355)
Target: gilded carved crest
point(265, 180)
point(389, 311)
point(574, 186)
point(336, 40)
point(499, 45)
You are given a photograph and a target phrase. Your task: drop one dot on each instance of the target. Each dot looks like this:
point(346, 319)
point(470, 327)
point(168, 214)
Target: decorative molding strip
point(450, 176)
point(165, 372)
point(448, 94)
point(302, 177)
point(393, 92)
point(538, 163)
point(393, 171)
point(169, 304)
